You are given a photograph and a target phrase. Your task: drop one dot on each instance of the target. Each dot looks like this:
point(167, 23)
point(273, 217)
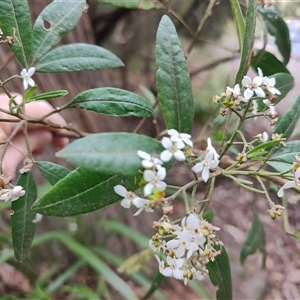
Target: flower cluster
point(13, 193)
point(260, 91)
point(181, 251)
point(154, 173)
point(185, 249)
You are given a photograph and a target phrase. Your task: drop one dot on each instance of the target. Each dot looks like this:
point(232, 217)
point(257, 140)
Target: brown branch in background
point(175, 15)
point(11, 56)
point(200, 26)
point(213, 64)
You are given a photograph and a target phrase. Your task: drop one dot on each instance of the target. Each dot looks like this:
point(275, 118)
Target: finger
point(16, 153)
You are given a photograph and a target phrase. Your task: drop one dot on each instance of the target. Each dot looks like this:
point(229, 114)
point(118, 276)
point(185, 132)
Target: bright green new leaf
point(83, 191)
point(268, 63)
point(297, 236)
point(287, 154)
point(287, 123)
point(15, 21)
point(277, 27)
point(52, 172)
point(258, 149)
point(209, 215)
point(131, 4)
point(110, 153)
point(220, 275)
point(29, 93)
point(173, 79)
point(239, 22)
point(113, 102)
point(255, 239)
point(54, 22)
point(23, 217)
point(47, 95)
point(77, 57)
point(248, 41)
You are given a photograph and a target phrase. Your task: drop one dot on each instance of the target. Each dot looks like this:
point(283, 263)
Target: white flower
point(236, 91)
point(290, 184)
point(26, 75)
point(204, 166)
point(210, 148)
point(173, 270)
point(270, 84)
point(254, 108)
point(172, 149)
point(180, 137)
point(16, 193)
point(265, 137)
point(161, 264)
point(12, 194)
point(129, 197)
point(148, 161)
point(253, 86)
point(154, 180)
point(183, 245)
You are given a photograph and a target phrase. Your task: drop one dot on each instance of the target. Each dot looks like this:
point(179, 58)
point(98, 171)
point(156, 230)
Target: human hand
point(39, 136)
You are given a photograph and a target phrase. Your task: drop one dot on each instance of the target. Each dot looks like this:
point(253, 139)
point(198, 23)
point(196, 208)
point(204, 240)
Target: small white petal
point(205, 174)
point(166, 156)
point(148, 189)
point(166, 142)
point(259, 92)
point(126, 203)
point(179, 155)
point(149, 175)
point(248, 94)
point(173, 132)
point(120, 190)
point(144, 155)
point(173, 244)
point(246, 81)
point(31, 71)
point(197, 168)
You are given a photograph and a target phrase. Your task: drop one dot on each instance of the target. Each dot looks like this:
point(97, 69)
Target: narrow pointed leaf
point(131, 4)
point(255, 239)
point(15, 21)
point(287, 154)
point(277, 27)
point(173, 79)
point(248, 41)
point(287, 123)
point(22, 219)
point(77, 57)
point(239, 22)
point(47, 95)
point(52, 172)
point(83, 191)
point(29, 93)
point(279, 166)
point(113, 102)
point(220, 275)
point(54, 22)
point(110, 153)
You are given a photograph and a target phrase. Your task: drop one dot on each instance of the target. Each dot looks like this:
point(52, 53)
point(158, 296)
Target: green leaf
point(208, 216)
point(279, 166)
point(54, 22)
point(82, 191)
point(255, 239)
point(268, 63)
point(113, 102)
point(173, 79)
point(77, 57)
point(248, 41)
point(239, 22)
point(23, 217)
point(297, 236)
point(277, 27)
point(220, 275)
point(52, 172)
point(15, 21)
point(29, 93)
point(284, 83)
point(287, 123)
point(257, 150)
point(131, 4)
point(287, 154)
point(47, 95)
point(110, 153)
point(154, 285)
